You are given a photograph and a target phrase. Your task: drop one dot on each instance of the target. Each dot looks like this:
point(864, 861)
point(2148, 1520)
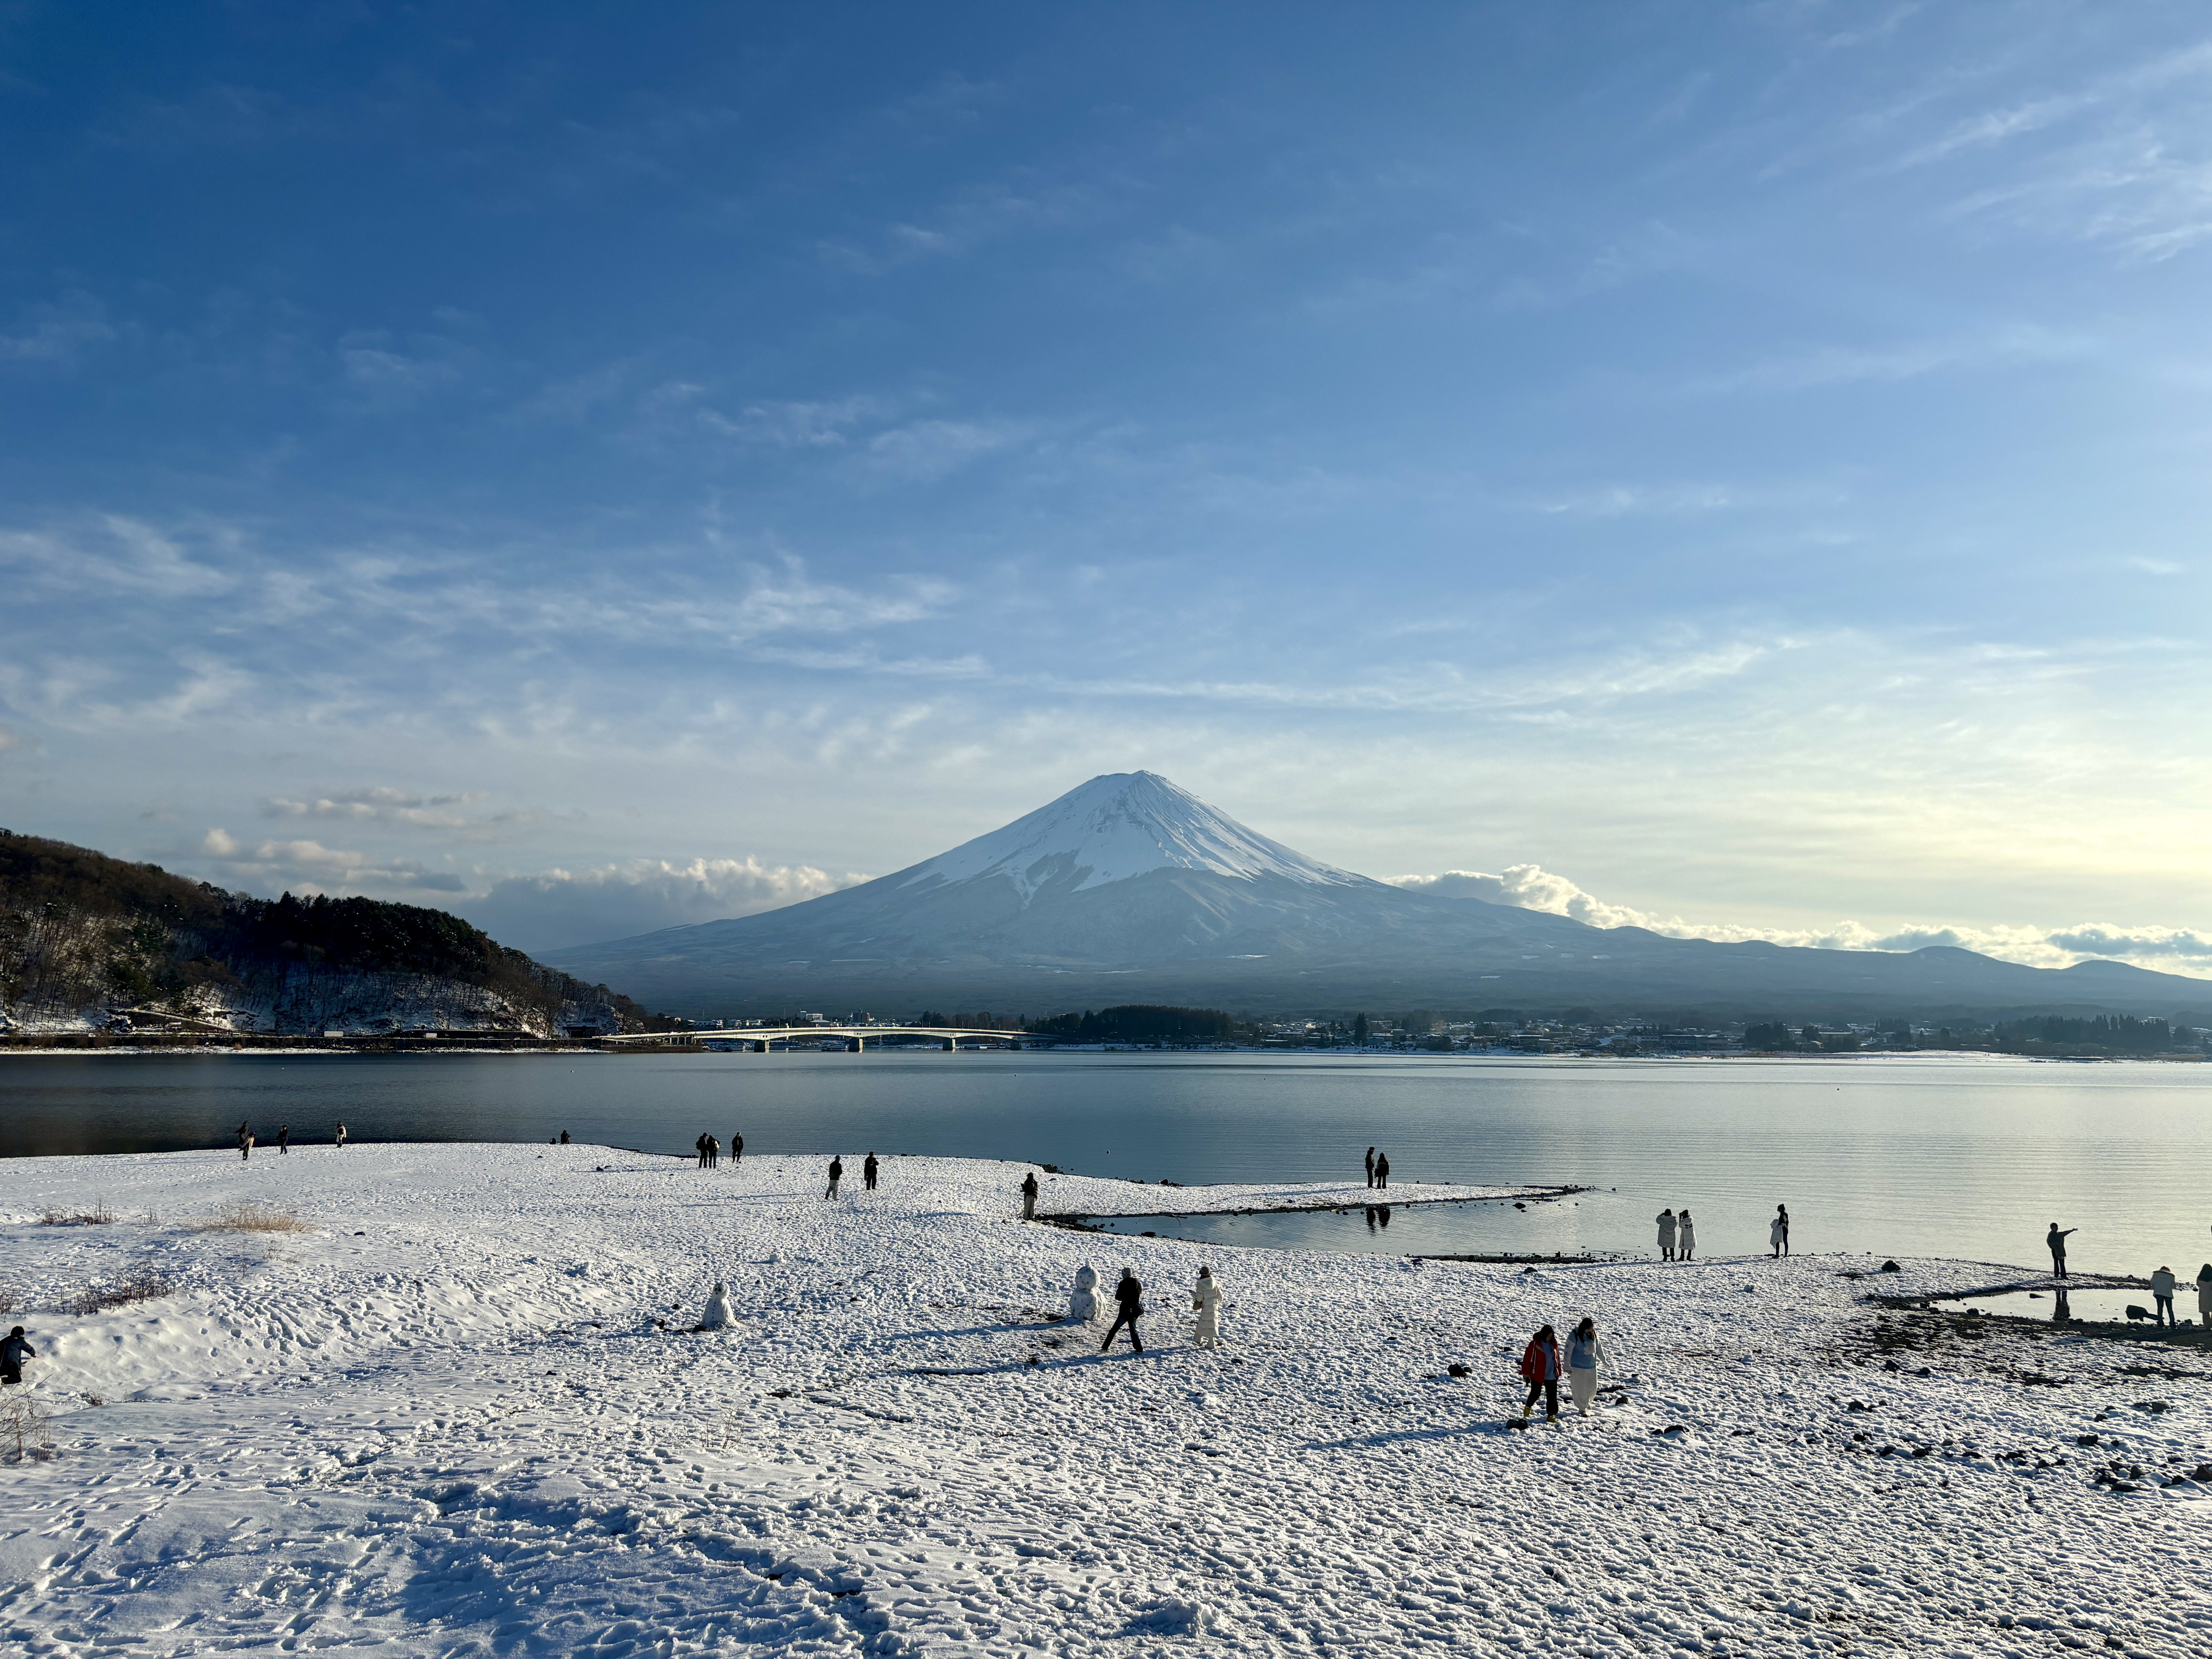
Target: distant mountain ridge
point(88, 941)
point(1128, 889)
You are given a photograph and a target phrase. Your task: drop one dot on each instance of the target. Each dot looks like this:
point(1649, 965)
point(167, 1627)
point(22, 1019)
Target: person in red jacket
point(1539, 1368)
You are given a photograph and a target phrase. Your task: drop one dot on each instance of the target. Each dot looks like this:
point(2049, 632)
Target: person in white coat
point(1586, 1358)
point(1206, 1298)
point(2161, 1295)
point(1685, 1238)
point(1666, 1235)
point(1083, 1307)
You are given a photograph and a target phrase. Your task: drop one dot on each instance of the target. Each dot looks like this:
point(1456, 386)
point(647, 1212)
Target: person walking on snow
point(1539, 1368)
point(1029, 1196)
point(2162, 1296)
point(564, 1137)
point(1666, 1235)
point(699, 1147)
point(283, 1140)
point(1685, 1237)
point(13, 1353)
point(1206, 1298)
point(1777, 1234)
point(1371, 1166)
point(1586, 1358)
point(341, 1132)
point(1383, 1171)
point(1129, 1297)
point(836, 1175)
point(245, 1143)
point(2056, 1241)
point(868, 1172)
point(736, 1149)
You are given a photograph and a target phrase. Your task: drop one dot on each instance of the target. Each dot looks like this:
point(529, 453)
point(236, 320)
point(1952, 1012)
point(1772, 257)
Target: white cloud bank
point(560, 907)
point(1531, 887)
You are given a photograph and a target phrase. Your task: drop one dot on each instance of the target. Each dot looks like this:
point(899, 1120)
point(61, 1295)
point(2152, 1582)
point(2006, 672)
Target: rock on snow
point(467, 1412)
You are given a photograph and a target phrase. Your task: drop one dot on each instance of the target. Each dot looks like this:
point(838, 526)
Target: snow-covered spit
point(463, 1413)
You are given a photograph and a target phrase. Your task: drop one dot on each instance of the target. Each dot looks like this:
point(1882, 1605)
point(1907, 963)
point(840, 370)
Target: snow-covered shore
point(448, 1420)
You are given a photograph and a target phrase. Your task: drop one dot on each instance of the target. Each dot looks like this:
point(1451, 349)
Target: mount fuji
point(1128, 889)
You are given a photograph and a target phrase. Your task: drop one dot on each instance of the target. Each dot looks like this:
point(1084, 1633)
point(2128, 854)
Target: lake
point(1964, 1156)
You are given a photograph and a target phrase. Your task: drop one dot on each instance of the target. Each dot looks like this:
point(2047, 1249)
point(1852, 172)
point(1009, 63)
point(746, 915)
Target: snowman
point(718, 1316)
point(1085, 1306)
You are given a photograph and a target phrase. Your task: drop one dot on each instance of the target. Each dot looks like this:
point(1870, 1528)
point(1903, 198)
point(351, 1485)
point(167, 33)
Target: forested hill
point(87, 940)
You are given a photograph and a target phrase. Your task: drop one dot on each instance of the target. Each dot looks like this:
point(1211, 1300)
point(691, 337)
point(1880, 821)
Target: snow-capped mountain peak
point(1119, 825)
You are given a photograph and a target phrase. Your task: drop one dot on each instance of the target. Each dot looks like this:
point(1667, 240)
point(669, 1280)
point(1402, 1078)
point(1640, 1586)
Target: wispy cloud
point(562, 906)
point(59, 333)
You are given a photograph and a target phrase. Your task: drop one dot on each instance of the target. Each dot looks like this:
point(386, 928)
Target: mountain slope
point(1130, 888)
point(86, 940)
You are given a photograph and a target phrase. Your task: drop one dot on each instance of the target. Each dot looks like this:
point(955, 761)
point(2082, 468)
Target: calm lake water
point(1922, 1156)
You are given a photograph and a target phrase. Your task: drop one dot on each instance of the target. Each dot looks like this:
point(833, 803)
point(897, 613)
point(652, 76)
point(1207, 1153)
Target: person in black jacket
point(284, 1140)
point(737, 1148)
point(1383, 1171)
point(1129, 1295)
point(1371, 1166)
point(13, 1353)
point(1029, 1196)
point(868, 1171)
point(699, 1147)
point(836, 1175)
point(2056, 1241)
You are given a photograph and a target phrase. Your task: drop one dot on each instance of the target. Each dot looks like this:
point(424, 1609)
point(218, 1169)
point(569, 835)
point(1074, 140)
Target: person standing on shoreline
point(1029, 1203)
point(1777, 1235)
point(2056, 1241)
point(2162, 1296)
point(283, 1140)
point(1371, 1166)
point(699, 1147)
point(868, 1172)
point(1685, 1237)
point(1383, 1171)
point(736, 1149)
point(1666, 1235)
point(2204, 1295)
point(836, 1175)
point(341, 1132)
point(1129, 1296)
point(246, 1142)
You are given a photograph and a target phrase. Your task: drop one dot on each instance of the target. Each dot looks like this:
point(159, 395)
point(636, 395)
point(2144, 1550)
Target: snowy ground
point(447, 1420)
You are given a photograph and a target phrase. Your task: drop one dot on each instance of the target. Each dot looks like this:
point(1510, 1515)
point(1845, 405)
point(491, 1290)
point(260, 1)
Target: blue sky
point(1737, 468)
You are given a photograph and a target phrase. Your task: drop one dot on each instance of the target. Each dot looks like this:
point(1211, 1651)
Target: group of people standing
point(248, 1140)
point(1378, 1170)
point(1678, 1234)
point(710, 1149)
point(868, 1170)
point(1129, 1307)
point(1542, 1361)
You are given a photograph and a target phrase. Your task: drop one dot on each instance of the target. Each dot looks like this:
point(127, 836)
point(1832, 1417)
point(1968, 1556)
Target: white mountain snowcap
point(1124, 824)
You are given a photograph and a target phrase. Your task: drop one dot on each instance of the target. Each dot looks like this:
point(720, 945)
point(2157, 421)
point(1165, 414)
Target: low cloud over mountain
point(563, 908)
point(1532, 887)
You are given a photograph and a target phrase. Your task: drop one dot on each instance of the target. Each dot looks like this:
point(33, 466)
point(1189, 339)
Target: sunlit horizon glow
point(598, 472)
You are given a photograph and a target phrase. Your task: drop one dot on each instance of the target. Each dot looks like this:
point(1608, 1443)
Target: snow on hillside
point(1119, 825)
point(464, 1415)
